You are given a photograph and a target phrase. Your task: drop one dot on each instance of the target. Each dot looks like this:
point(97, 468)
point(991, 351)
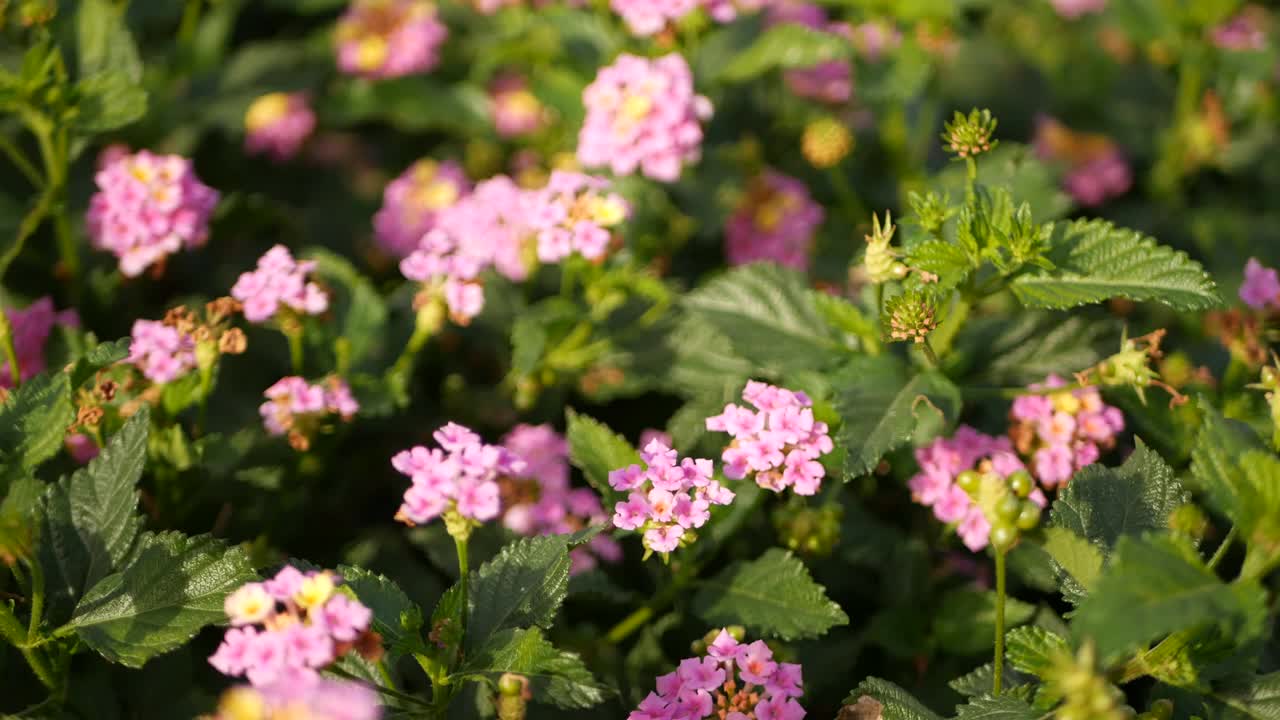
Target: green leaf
point(705, 363)
point(883, 409)
point(173, 587)
point(107, 101)
point(1002, 707)
point(523, 586)
point(1258, 699)
point(772, 595)
point(1157, 585)
point(965, 622)
point(946, 260)
point(34, 421)
point(410, 104)
point(1032, 649)
point(980, 681)
point(557, 677)
point(100, 356)
point(1026, 347)
point(786, 46)
point(89, 520)
point(392, 609)
point(768, 316)
point(18, 518)
point(360, 310)
point(104, 42)
point(896, 703)
point(595, 450)
point(1097, 261)
point(1076, 561)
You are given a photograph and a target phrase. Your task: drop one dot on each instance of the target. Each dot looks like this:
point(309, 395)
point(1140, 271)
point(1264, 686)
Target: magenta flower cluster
point(289, 627)
point(161, 352)
point(944, 459)
point(31, 327)
point(1072, 9)
point(650, 17)
point(460, 476)
point(1064, 431)
point(412, 202)
point(667, 498)
point(292, 402)
point(779, 441)
point(734, 681)
point(277, 124)
point(540, 501)
point(389, 38)
point(302, 696)
point(1098, 179)
point(148, 207)
point(776, 221)
point(830, 81)
point(516, 111)
point(1243, 32)
point(1261, 287)
point(643, 115)
point(279, 284)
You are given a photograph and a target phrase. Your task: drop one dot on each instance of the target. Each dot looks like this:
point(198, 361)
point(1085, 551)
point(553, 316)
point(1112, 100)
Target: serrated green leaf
point(89, 521)
point(108, 100)
point(100, 356)
point(705, 363)
point(1076, 561)
point(1258, 699)
point(773, 595)
point(34, 421)
point(1032, 649)
point(789, 45)
point(19, 518)
point(523, 586)
point(896, 703)
point(883, 409)
point(1001, 707)
point(104, 43)
point(390, 605)
point(557, 677)
point(1027, 347)
point(980, 681)
point(596, 450)
point(1096, 261)
point(174, 586)
point(768, 316)
point(946, 260)
point(965, 621)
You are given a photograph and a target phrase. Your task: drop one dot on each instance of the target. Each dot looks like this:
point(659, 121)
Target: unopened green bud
point(966, 136)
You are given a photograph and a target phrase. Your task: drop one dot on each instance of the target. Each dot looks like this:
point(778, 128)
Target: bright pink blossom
point(297, 407)
point(161, 352)
point(1072, 9)
point(668, 497)
point(389, 38)
point(279, 283)
point(277, 124)
point(830, 81)
point(776, 221)
point(1059, 433)
point(779, 442)
point(30, 328)
point(462, 475)
point(1261, 287)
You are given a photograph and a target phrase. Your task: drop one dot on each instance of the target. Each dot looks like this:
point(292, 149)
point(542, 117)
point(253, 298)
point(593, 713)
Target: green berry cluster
point(808, 530)
point(1004, 502)
point(1086, 693)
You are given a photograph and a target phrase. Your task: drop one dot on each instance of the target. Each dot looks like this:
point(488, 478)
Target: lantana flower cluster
point(779, 441)
point(389, 38)
point(30, 328)
point(540, 501)
point(1096, 169)
point(460, 477)
point(165, 350)
point(289, 627)
point(1261, 287)
point(148, 207)
point(829, 81)
point(516, 111)
point(1072, 9)
point(1062, 432)
point(411, 203)
point(280, 283)
point(776, 221)
point(649, 17)
point(733, 681)
point(668, 498)
point(963, 477)
point(297, 408)
point(643, 115)
point(277, 124)
point(307, 696)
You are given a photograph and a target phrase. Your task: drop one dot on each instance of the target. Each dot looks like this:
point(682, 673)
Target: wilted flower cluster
point(667, 498)
point(643, 115)
point(963, 477)
point(165, 350)
point(1063, 431)
point(389, 38)
point(734, 681)
point(776, 221)
point(277, 124)
point(516, 110)
point(461, 476)
point(830, 81)
point(540, 501)
point(30, 327)
point(297, 408)
point(1096, 169)
point(308, 697)
point(779, 441)
point(279, 284)
point(291, 626)
point(412, 202)
point(1261, 287)
point(147, 207)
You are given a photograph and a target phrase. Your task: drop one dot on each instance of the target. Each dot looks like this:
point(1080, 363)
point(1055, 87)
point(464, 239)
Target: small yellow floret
point(314, 590)
point(266, 111)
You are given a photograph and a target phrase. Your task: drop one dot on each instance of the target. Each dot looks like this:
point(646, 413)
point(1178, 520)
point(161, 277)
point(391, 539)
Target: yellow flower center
point(371, 53)
point(242, 704)
point(1066, 402)
point(436, 195)
point(314, 590)
point(266, 111)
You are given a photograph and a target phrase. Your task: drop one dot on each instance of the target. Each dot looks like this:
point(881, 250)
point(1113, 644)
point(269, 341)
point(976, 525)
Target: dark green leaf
point(1076, 561)
point(596, 450)
point(392, 609)
point(965, 623)
point(786, 46)
point(1002, 707)
point(1259, 699)
point(100, 356)
point(772, 595)
point(109, 100)
point(896, 703)
point(523, 586)
point(556, 676)
point(34, 421)
point(1032, 649)
point(104, 42)
point(360, 310)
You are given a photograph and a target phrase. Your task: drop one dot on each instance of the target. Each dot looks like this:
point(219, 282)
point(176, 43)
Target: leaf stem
point(24, 165)
point(971, 178)
point(294, 335)
point(998, 669)
point(10, 350)
point(1222, 549)
point(930, 355)
point(37, 601)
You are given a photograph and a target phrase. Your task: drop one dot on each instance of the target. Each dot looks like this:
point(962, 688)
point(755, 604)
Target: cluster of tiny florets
point(389, 38)
point(776, 221)
point(1062, 431)
point(306, 697)
point(971, 135)
point(412, 202)
point(1261, 287)
point(279, 284)
point(165, 350)
point(277, 124)
point(778, 443)
point(668, 498)
point(295, 407)
point(460, 476)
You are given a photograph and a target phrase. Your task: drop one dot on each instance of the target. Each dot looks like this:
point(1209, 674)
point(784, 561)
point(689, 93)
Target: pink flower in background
point(651, 434)
point(277, 124)
point(389, 38)
point(540, 501)
point(302, 696)
point(81, 447)
point(516, 110)
point(1072, 9)
point(776, 221)
point(1261, 287)
point(649, 17)
point(31, 327)
point(296, 407)
point(779, 442)
point(1097, 180)
point(160, 351)
point(574, 214)
point(1243, 32)
point(461, 475)
point(1059, 433)
point(643, 116)
point(667, 497)
point(876, 38)
point(828, 82)
point(279, 284)
point(1096, 170)
point(412, 202)
point(148, 207)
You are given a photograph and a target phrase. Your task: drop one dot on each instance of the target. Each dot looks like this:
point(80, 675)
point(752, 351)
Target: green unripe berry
point(1269, 377)
point(511, 684)
point(1028, 516)
point(1009, 508)
point(1021, 484)
point(899, 270)
point(969, 480)
point(1003, 536)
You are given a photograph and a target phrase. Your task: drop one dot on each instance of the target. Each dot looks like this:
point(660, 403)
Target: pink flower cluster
point(147, 207)
point(293, 404)
point(776, 221)
point(516, 111)
point(1072, 9)
point(944, 459)
point(460, 476)
point(303, 696)
point(828, 82)
point(279, 283)
point(540, 501)
point(779, 441)
point(31, 327)
point(1243, 32)
point(735, 681)
point(649, 17)
point(412, 202)
point(1096, 168)
point(389, 38)
point(1063, 431)
point(160, 351)
point(643, 115)
point(1261, 287)
point(573, 214)
point(289, 627)
point(667, 498)
point(277, 124)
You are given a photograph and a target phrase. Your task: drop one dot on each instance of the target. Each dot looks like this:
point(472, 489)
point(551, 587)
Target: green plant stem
point(849, 202)
point(1222, 549)
point(295, 349)
point(11, 630)
point(971, 178)
point(998, 668)
point(206, 388)
point(428, 321)
point(37, 601)
point(20, 161)
point(10, 351)
point(929, 354)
